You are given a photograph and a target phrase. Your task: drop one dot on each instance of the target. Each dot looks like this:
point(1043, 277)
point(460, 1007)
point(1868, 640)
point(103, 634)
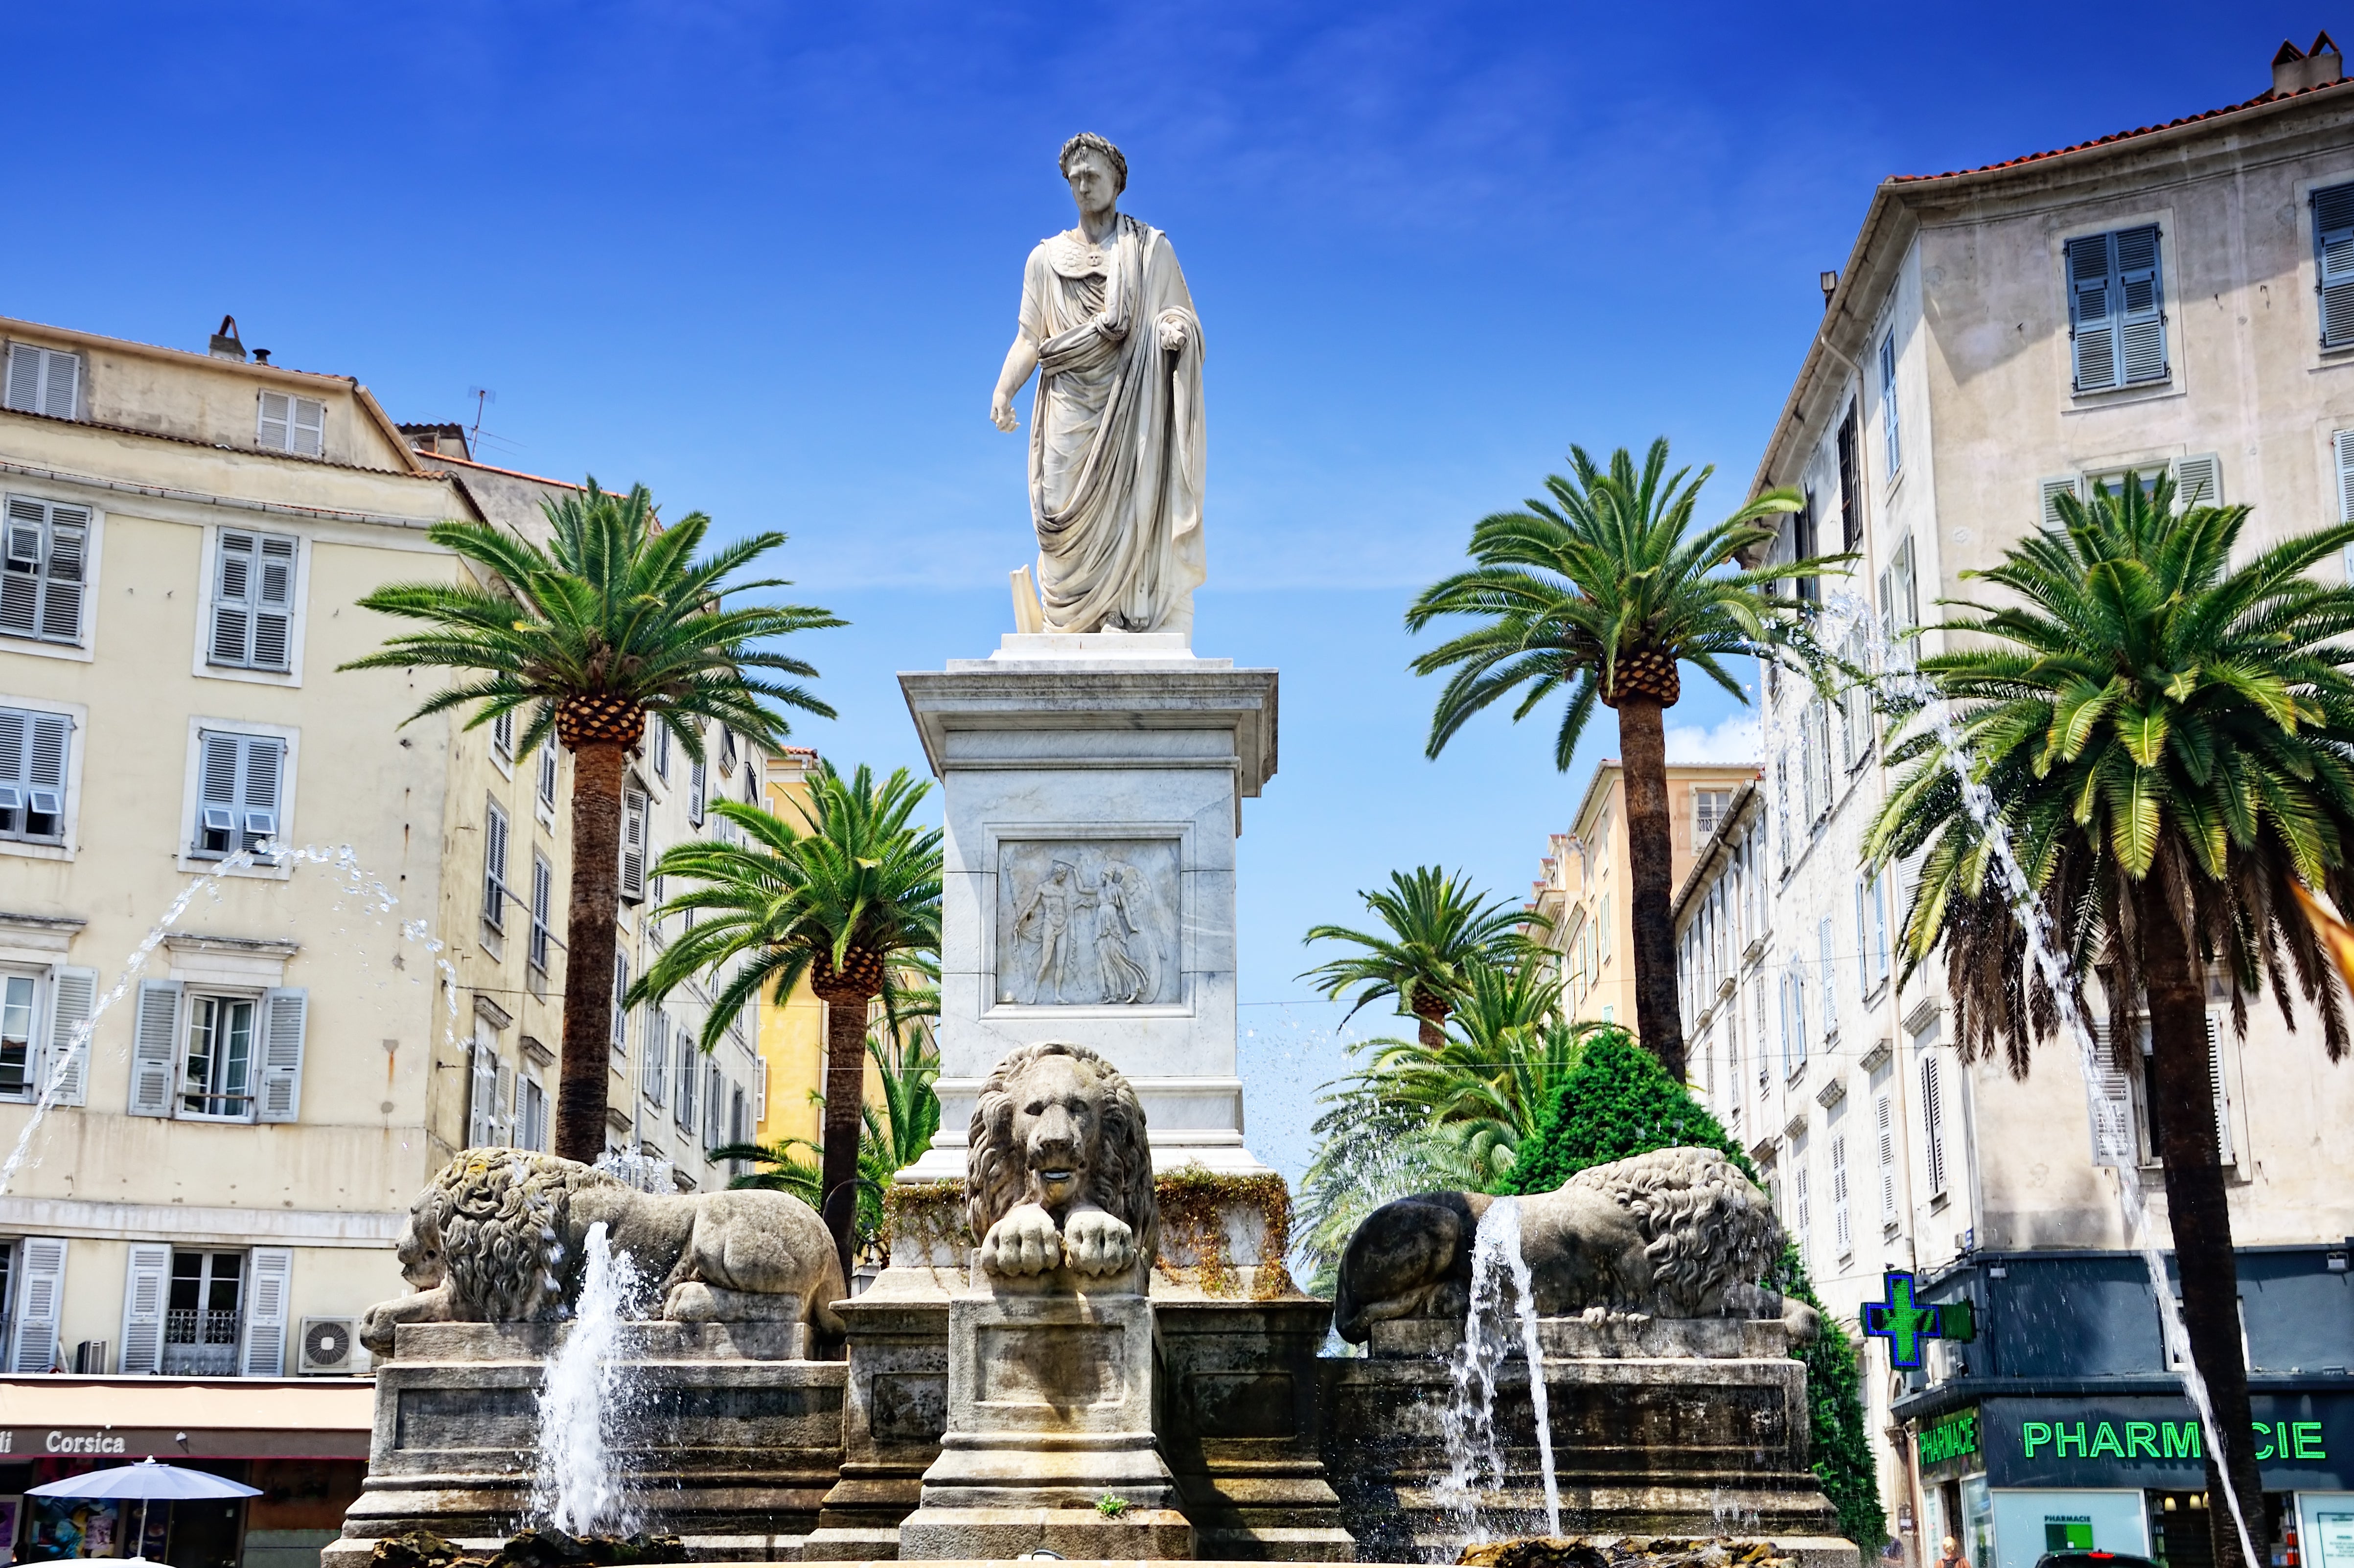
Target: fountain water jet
point(1474, 1455)
point(582, 1397)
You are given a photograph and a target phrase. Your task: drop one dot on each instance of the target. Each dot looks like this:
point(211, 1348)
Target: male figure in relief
point(1116, 430)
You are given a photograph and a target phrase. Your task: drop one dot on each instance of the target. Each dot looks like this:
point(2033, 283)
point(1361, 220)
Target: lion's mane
point(1703, 1223)
point(1119, 1168)
point(498, 1218)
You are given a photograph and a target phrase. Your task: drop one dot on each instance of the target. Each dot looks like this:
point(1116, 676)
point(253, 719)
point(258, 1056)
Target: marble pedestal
point(1093, 791)
point(1049, 1413)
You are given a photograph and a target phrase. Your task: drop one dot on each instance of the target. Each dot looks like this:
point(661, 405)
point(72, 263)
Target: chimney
point(2295, 69)
point(224, 342)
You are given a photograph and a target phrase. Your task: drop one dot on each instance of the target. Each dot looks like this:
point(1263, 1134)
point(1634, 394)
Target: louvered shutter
point(25, 377)
point(2052, 490)
point(21, 572)
point(155, 1048)
point(310, 435)
point(2224, 1153)
point(145, 1290)
point(233, 576)
point(494, 869)
point(2092, 311)
point(1892, 439)
point(265, 1312)
point(694, 796)
point(61, 385)
point(1842, 1220)
point(44, 770)
point(276, 421)
point(216, 794)
point(655, 1073)
point(2141, 315)
point(61, 595)
point(264, 761)
point(633, 846)
point(76, 995)
point(2197, 480)
point(1933, 1122)
point(2342, 443)
point(42, 1260)
point(1885, 1133)
point(2108, 1102)
point(285, 1019)
point(2333, 239)
point(620, 1013)
point(273, 603)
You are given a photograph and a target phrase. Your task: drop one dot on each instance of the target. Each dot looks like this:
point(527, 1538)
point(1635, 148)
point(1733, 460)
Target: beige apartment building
point(1584, 893)
point(2174, 300)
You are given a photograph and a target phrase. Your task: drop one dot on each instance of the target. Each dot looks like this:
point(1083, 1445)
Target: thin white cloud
point(1734, 740)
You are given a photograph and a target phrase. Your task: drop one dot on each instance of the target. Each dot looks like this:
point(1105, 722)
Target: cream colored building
point(2176, 299)
point(1585, 892)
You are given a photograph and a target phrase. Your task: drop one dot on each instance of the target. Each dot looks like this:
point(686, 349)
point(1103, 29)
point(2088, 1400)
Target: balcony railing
point(200, 1344)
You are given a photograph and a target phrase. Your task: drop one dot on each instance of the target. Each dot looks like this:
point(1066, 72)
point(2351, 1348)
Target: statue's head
point(1096, 171)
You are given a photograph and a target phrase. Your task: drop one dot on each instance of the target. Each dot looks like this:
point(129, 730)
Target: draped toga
point(1115, 432)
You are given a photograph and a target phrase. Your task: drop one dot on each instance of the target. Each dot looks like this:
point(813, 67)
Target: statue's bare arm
point(1020, 361)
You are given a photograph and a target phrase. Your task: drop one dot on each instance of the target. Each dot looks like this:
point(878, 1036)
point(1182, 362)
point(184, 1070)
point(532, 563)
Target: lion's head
point(1705, 1224)
point(1055, 1122)
point(493, 1225)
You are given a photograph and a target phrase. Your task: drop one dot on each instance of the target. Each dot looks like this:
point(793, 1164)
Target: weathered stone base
point(1238, 1423)
point(933, 1533)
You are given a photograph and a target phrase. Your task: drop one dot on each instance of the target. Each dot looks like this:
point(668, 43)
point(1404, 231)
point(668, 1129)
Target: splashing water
point(1846, 616)
point(646, 1172)
point(583, 1395)
point(1475, 1457)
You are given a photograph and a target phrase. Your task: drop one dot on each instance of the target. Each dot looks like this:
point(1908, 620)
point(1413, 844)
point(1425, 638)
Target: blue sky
point(766, 257)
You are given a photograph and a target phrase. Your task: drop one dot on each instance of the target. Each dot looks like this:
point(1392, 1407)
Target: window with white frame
point(44, 381)
point(620, 1010)
point(543, 909)
point(503, 737)
point(239, 784)
point(1871, 932)
point(2333, 254)
point(1900, 607)
point(253, 601)
point(206, 1053)
point(1801, 1198)
point(487, 1124)
point(20, 1022)
point(206, 1316)
point(44, 570)
point(548, 768)
point(714, 1109)
point(495, 867)
point(2117, 308)
point(1842, 1223)
point(726, 749)
point(653, 1073)
point(286, 423)
point(33, 754)
point(690, 1071)
point(530, 1113)
point(661, 751)
point(1892, 437)
point(1826, 972)
point(1708, 809)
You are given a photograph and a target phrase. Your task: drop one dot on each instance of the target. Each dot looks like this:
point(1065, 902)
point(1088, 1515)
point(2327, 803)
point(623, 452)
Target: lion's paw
point(1023, 1242)
point(1095, 1242)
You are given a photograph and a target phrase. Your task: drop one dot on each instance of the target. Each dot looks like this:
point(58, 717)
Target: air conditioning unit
point(327, 1346)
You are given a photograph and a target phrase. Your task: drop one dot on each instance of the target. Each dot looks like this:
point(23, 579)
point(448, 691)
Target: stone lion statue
point(1057, 1173)
point(498, 1236)
point(1677, 1232)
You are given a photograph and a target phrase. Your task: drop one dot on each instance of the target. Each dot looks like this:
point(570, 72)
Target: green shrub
point(1617, 1102)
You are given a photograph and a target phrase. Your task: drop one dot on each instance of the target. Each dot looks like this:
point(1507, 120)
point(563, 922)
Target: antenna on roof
point(481, 394)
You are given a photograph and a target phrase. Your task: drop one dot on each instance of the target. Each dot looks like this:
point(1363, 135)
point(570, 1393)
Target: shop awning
point(63, 1416)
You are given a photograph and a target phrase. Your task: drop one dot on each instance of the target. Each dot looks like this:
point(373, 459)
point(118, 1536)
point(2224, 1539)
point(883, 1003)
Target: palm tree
point(1604, 590)
point(2168, 743)
point(894, 1134)
point(851, 899)
point(613, 623)
point(1437, 928)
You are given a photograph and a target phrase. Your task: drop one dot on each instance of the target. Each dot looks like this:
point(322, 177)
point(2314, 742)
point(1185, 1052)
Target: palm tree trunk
point(1650, 865)
point(588, 947)
point(1430, 1024)
point(845, 1096)
point(2199, 1215)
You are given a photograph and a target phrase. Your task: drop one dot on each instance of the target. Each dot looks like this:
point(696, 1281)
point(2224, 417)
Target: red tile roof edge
point(494, 468)
point(222, 447)
point(2117, 136)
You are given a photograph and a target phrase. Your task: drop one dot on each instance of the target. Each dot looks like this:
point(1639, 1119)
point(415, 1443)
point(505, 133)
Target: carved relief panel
point(1087, 922)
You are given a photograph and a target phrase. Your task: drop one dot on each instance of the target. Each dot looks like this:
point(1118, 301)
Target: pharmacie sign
point(2304, 1442)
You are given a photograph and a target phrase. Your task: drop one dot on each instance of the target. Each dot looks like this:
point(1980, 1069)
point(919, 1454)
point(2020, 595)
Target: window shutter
point(310, 428)
point(1933, 1122)
point(633, 846)
point(45, 767)
point(2333, 241)
point(273, 603)
point(657, 1064)
point(34, 1346)
point(61, 597)
point(689, 1070)
point(2091, 313)
point(494, 869)
point(76, 993)
point(2197, 480)
point(232, 598)
point(1896, 446)
point(216, 794)
point(144, 1287)
point(1884, 1130)
point(548, 767)
point(25, 377)
point(1843, 1222)
point(2141, 331)
point(264, 759)
point(481, 1098)
point(155, 1048)
point(277, 419)
point(1828, 967)
point(2109, 1101)
point(502, 734)
point(61, 386)
point(271, 1273)
point(20, 579)
point(2224, 1154)
point(2053, 489)
point(285, 1018)
point(694, 796)
point(760, 1093)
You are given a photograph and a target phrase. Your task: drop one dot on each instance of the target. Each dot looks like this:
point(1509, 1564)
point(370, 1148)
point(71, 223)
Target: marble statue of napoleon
point(1116, 432)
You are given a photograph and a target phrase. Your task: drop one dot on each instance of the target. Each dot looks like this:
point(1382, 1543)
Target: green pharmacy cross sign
point(1908, 1326)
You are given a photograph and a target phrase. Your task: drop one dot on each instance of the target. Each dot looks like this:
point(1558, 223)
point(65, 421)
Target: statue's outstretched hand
point(1172, 332)
point(1023, 1242)
point(1095, 1242)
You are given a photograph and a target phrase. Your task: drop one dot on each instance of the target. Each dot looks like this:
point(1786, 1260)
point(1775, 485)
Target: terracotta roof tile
point(220, 446)
point(2255, 102)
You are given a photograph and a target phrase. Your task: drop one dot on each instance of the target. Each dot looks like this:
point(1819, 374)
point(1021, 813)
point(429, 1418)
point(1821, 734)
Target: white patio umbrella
point(145, 1479)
